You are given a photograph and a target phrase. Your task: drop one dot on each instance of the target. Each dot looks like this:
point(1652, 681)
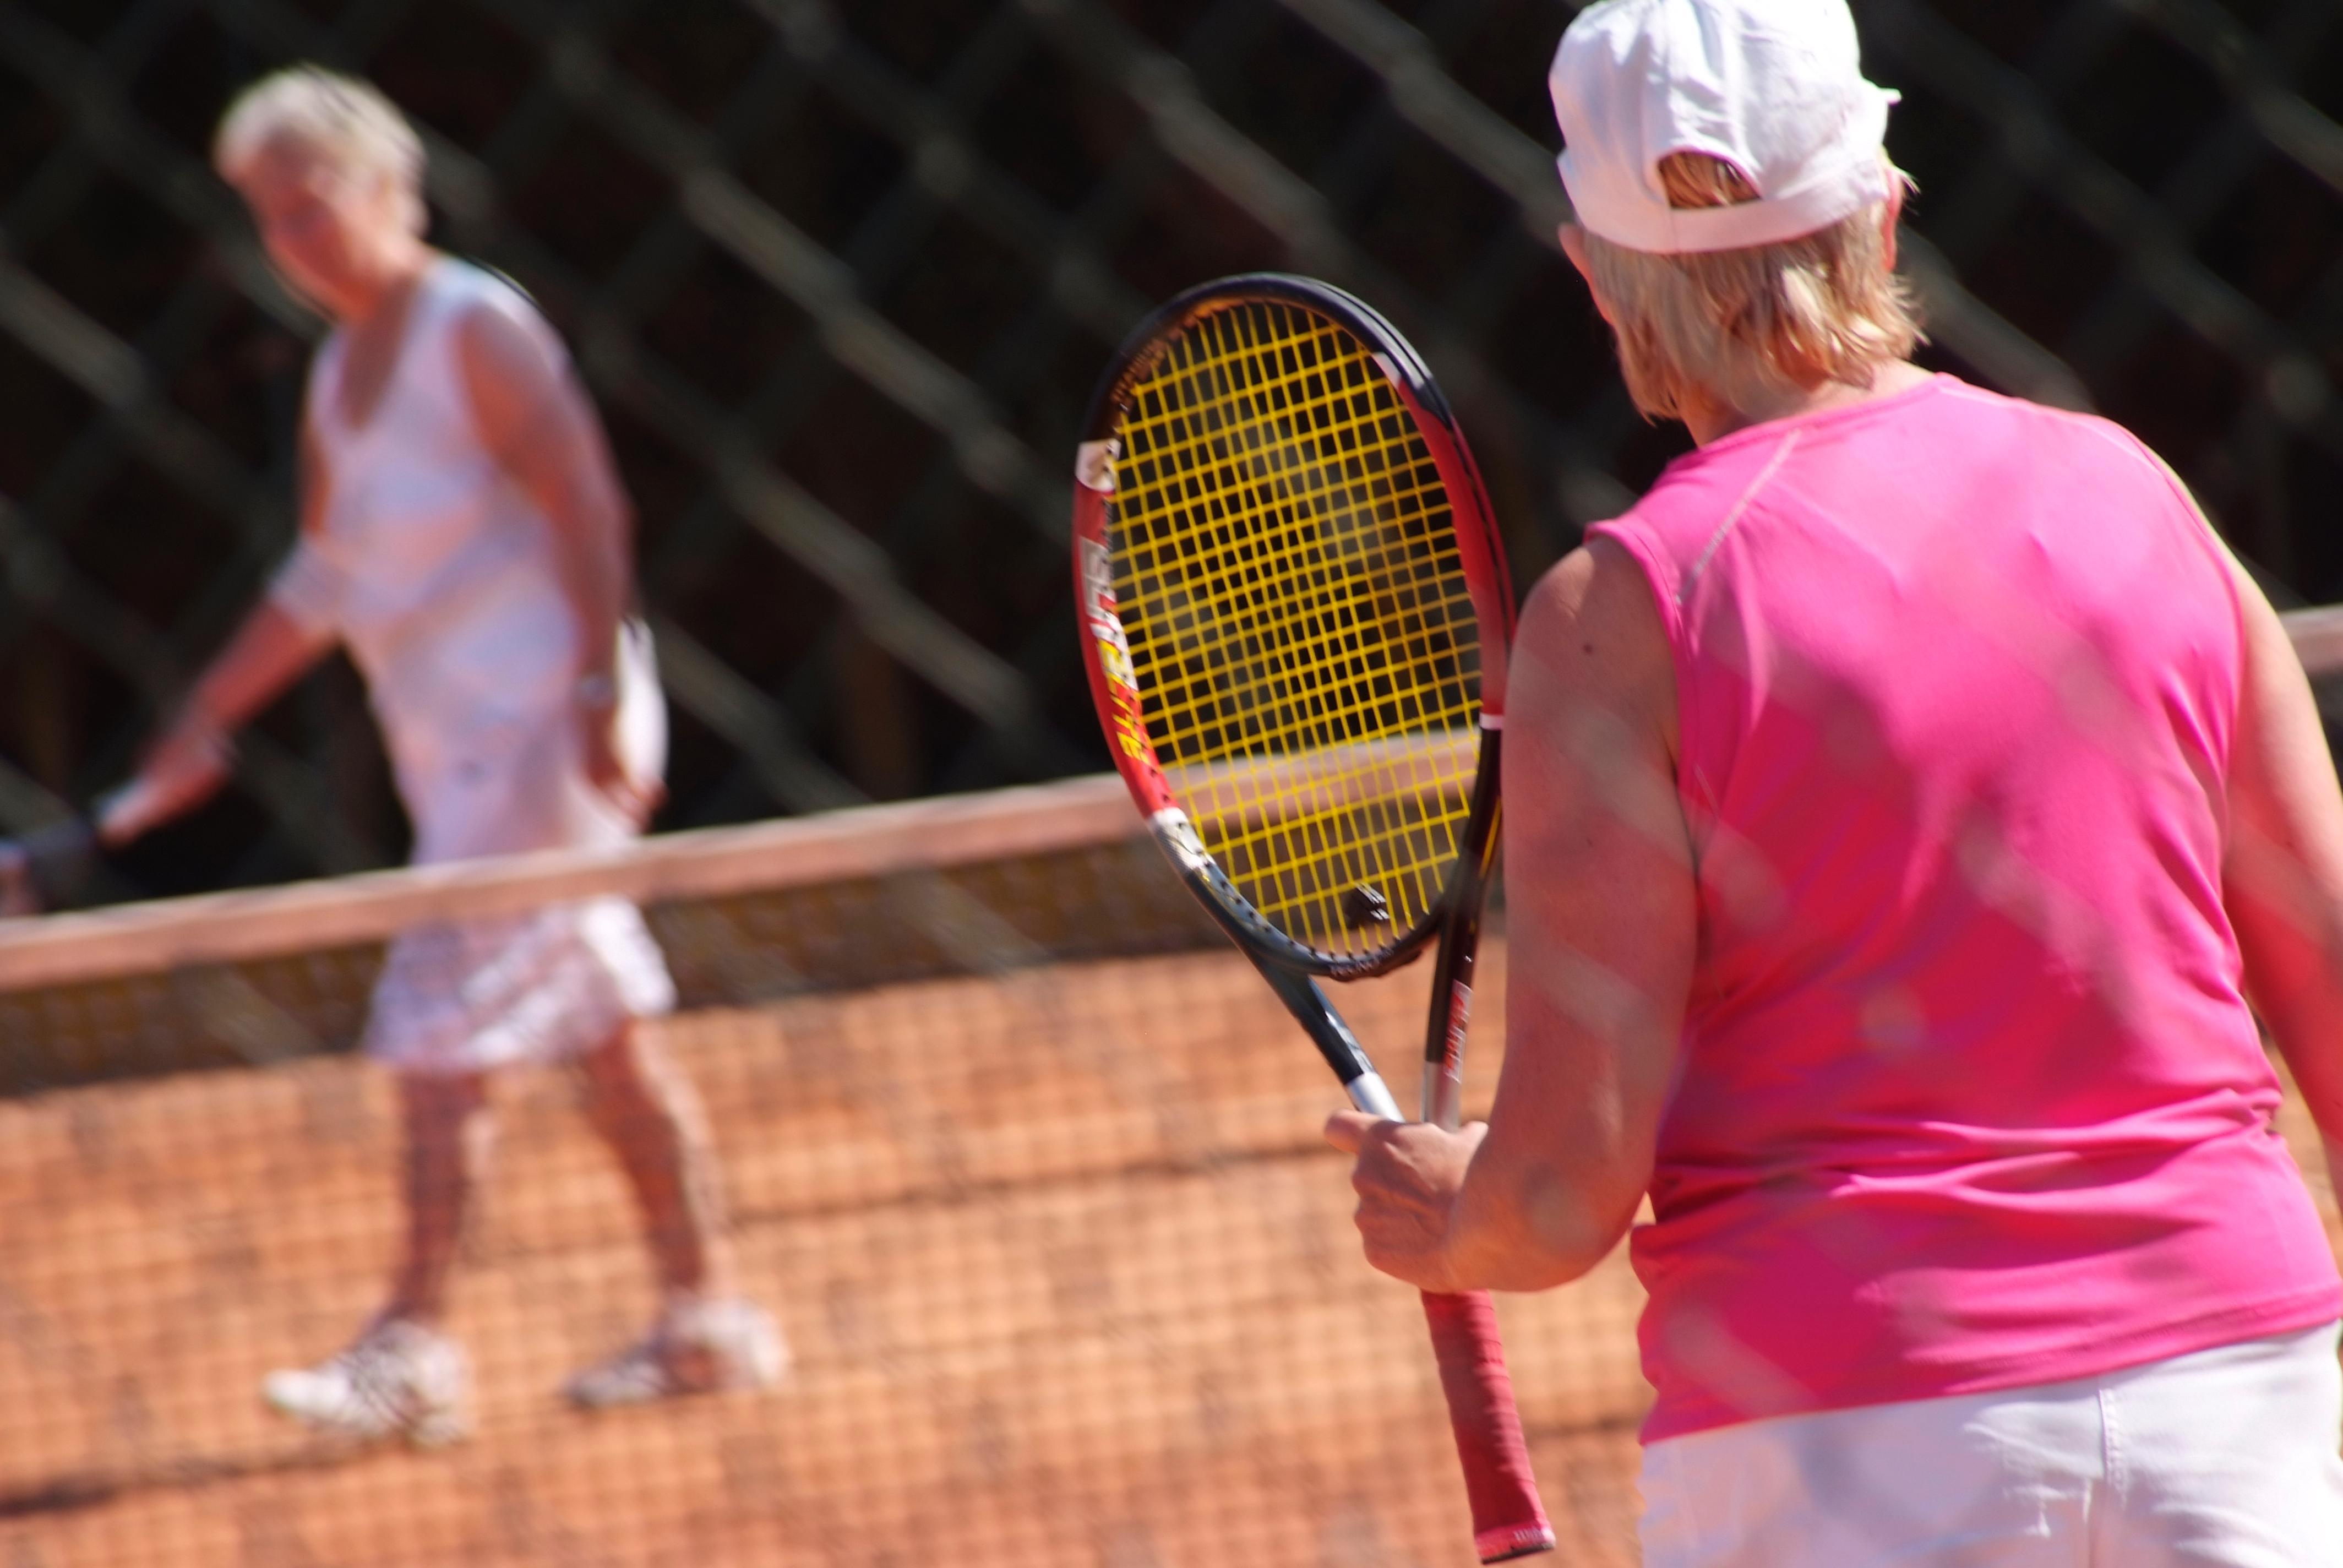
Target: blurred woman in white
point(465, 535)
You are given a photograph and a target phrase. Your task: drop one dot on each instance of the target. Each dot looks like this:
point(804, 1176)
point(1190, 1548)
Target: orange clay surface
point(1069, 1278)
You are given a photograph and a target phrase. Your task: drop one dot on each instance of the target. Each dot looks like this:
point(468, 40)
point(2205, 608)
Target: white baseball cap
point(1774, 87)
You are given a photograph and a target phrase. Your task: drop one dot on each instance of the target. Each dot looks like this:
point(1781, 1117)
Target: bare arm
point(1601, 941)
point(187, 760)
point(533, 414)
point(266, 654)
point(2282, 881)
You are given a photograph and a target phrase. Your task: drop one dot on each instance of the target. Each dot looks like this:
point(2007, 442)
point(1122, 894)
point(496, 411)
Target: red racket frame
point(1508, 1519)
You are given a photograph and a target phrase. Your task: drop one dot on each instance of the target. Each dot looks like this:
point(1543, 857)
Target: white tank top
point(435, 569)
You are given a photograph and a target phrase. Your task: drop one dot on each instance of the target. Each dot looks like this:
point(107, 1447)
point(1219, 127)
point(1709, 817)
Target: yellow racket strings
point(1299, 620)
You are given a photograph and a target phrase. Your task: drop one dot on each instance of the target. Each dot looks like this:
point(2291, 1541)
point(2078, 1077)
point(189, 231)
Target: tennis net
point(1024, 1159)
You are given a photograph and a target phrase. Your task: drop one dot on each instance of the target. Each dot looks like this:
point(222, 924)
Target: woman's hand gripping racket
point(53, 866)
point(1296, 614)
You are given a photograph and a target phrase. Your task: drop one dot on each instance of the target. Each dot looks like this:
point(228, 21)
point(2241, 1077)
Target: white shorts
point(2225, 1457)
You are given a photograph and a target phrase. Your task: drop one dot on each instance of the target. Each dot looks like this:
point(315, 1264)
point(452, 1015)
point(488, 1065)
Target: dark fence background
point(841, 274)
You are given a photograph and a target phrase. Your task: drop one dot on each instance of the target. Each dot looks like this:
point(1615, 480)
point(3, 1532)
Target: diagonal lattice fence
point(1068, 1277)
point(839, 276)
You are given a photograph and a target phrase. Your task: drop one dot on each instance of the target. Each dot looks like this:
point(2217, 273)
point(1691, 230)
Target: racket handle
point(1332, 1038)
point(48, 868)
point(1508, 1520)
point(149, 800)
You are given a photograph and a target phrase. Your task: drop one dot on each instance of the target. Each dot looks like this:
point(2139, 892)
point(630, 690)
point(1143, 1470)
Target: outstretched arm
point(1601, 930)
point(2282, 881)
point(187, 760)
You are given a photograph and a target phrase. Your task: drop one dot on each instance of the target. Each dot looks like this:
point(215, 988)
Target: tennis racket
point(1296, 611)
point(47, 869)
point(55, 866)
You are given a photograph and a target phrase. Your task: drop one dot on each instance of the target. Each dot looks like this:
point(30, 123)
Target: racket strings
point(1299, 620)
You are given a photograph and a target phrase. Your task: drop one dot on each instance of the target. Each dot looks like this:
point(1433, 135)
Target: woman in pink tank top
point(1907, 797)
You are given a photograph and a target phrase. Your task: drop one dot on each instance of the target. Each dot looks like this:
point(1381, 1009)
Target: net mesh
point(1021, 1157)
point(1286, 572)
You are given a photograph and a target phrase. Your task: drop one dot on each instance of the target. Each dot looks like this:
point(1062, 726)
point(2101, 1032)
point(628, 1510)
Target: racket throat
point(1452, 1017)
point(1444, 1076)
point(1370, 1093)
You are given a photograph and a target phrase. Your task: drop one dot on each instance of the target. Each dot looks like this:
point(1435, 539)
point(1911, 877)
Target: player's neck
point(1710, 421)
point(384, 283)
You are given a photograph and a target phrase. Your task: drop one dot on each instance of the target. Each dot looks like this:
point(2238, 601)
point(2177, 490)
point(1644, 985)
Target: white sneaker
point(702, 1347)
point(398, 1379)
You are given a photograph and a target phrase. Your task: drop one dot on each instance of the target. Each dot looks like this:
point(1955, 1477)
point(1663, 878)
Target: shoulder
point(1596, 630)
point(1599, 589)
point(1658, 546)
point(1701, 491)
point(2102, 469)
point(503, 345)
point(2074, 437)
point(492, 316)
point(470, 287)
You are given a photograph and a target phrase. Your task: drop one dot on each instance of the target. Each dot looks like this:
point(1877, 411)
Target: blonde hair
point(346, 122)
point(1746, 326)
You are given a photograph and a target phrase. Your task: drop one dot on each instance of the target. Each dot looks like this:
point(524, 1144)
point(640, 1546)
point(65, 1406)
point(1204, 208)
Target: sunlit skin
point(1707, 419)
point(1603, 934)
point(345, 237)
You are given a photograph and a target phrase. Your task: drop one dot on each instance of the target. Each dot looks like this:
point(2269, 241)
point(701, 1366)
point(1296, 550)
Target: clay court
point(1023, 1157)
point(1054, 1298)
point(1069, 1277)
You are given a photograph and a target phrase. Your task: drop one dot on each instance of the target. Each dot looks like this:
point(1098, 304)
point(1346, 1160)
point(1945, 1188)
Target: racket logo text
point(1459, 1014)
point(1095, 465)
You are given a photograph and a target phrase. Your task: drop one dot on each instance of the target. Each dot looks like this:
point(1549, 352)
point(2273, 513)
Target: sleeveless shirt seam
point(2203, 537)
point(1716, 540)
point(1634, 535)
point(326, 381)
point(472, 286)
point(435, 331)
point(1654, 562)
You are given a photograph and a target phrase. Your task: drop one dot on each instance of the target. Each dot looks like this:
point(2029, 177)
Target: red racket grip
point(1508, 1520)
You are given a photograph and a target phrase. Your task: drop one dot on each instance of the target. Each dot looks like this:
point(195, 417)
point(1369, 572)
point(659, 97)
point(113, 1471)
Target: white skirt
point(470, 995)
point(465, 996)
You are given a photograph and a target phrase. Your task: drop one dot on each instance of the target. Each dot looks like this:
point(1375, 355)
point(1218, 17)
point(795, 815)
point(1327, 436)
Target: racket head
point(1295, 612)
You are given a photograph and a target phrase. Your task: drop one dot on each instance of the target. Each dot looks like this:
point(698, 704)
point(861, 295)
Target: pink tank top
point(1969, 1096)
